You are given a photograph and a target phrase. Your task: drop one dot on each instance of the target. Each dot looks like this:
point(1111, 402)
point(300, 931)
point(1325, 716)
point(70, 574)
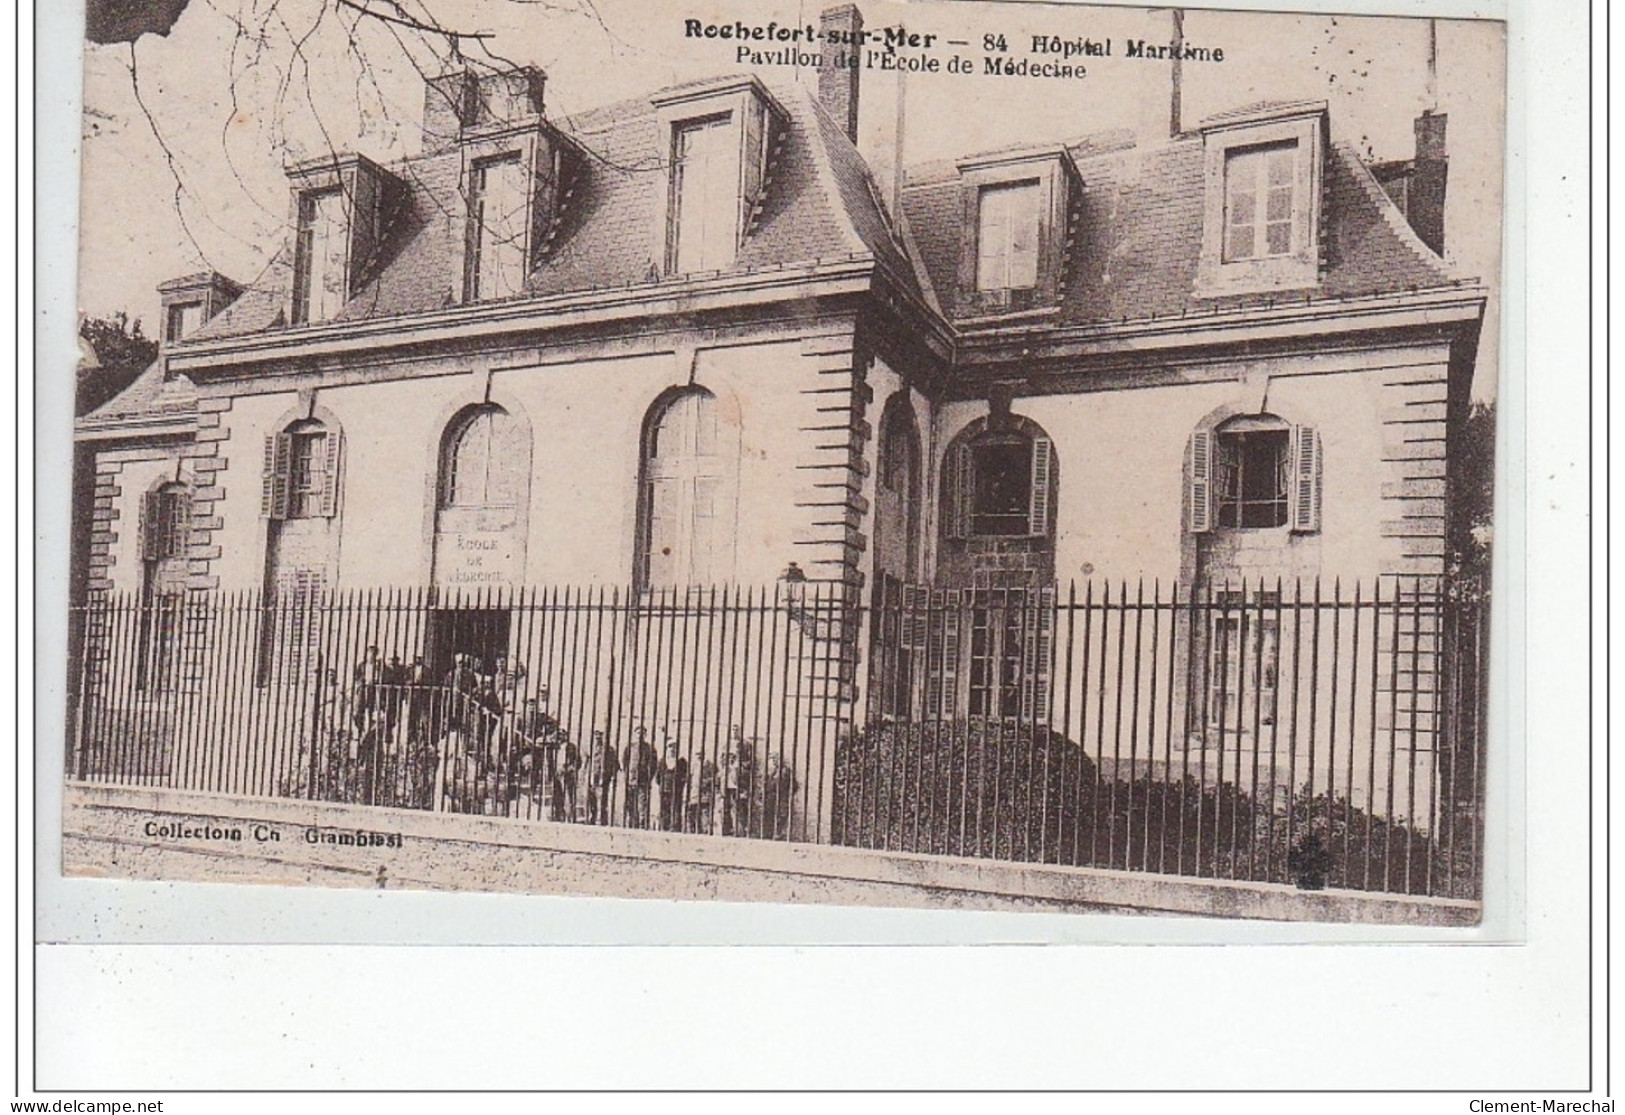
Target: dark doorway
point(480, 633)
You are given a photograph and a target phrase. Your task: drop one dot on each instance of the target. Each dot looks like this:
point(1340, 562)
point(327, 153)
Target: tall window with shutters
point(685, 522)
point(999, 490)
point(300, 475)
point(1254, 472)
point(1252, 482)
point(1000, 485)
point(165, 521)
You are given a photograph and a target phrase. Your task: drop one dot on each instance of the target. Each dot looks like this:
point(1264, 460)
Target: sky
point(185, 137)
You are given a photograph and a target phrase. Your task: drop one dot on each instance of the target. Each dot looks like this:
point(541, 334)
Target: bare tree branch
point(416, 25)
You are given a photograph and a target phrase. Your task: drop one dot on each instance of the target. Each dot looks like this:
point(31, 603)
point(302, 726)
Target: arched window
point(300, 476)
point(166, 515)
point(482, 462)
point(1254, 472)
point(898, 516)
point(686, 477)
point(1000, 483)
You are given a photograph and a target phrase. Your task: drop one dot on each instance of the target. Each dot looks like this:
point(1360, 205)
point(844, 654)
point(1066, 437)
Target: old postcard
point(999, 456)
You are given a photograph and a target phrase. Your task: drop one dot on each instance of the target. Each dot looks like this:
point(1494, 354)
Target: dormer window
point(719, 137)
point(190, 301)
point(343, 209)
point(1020, 217)
point(1261, 216)
point(498, 219)
point(517, 174)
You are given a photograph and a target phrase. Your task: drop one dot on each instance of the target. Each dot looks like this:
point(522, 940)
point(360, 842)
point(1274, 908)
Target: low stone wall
point(166, 834)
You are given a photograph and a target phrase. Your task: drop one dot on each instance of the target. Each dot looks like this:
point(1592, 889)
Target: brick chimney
point(838, 85)
point(1417, 185)
point(464, 100)
point(1425, 201)
point(448, 107)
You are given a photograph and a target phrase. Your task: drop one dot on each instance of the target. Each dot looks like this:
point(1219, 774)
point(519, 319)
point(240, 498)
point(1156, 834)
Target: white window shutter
point(330, 475)
point(959, 491)
point(1306, 468)
point(1199, 481)
point(1043, 476)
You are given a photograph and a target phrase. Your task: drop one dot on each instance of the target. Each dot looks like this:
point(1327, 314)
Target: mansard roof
point(822, 206)
point(1139, 241)
point(1134, 257)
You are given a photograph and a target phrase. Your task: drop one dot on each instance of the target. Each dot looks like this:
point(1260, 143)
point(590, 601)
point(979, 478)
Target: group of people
point(476, 741)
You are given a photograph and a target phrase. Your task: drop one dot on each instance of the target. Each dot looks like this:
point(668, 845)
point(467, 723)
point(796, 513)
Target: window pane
point(485, 466)
point(897, 454)
point(169, 523)
point(674, 433)
point(471, 463)
point(1239, 242)
point(1251, 478)
point(663, 541)
point(184, 320)
point(703, 417)
point(1024, 237)
point(685, 474)
point(307, 453)
point(1279, 241)
point(705, 197)
point(1280, 164)
point(1280, 205)
point(1254, 177)
point(702, 547)
point(992, 238)
point(1007, 237)
point(1001, 487)
point(324, 283)
point(500, 209)
point(1241, 207)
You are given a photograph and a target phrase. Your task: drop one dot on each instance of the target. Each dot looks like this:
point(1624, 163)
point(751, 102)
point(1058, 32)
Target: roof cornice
point(1440, 309)
point(122, 427)
point(685, 297)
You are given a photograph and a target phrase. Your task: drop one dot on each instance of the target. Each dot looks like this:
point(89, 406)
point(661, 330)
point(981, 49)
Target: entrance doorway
point(479, 634)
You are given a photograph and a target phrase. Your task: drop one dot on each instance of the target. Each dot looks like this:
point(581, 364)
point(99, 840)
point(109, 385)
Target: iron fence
point(1322, 736)
point(1301, 733)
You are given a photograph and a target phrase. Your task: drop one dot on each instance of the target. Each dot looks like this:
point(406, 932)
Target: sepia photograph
point(972, 455)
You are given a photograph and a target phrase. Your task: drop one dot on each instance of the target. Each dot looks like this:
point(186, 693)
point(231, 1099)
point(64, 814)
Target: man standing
point(603, 765)
point(641, 761)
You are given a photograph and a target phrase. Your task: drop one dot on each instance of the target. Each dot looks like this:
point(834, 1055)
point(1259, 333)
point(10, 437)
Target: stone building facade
point(685, 340)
